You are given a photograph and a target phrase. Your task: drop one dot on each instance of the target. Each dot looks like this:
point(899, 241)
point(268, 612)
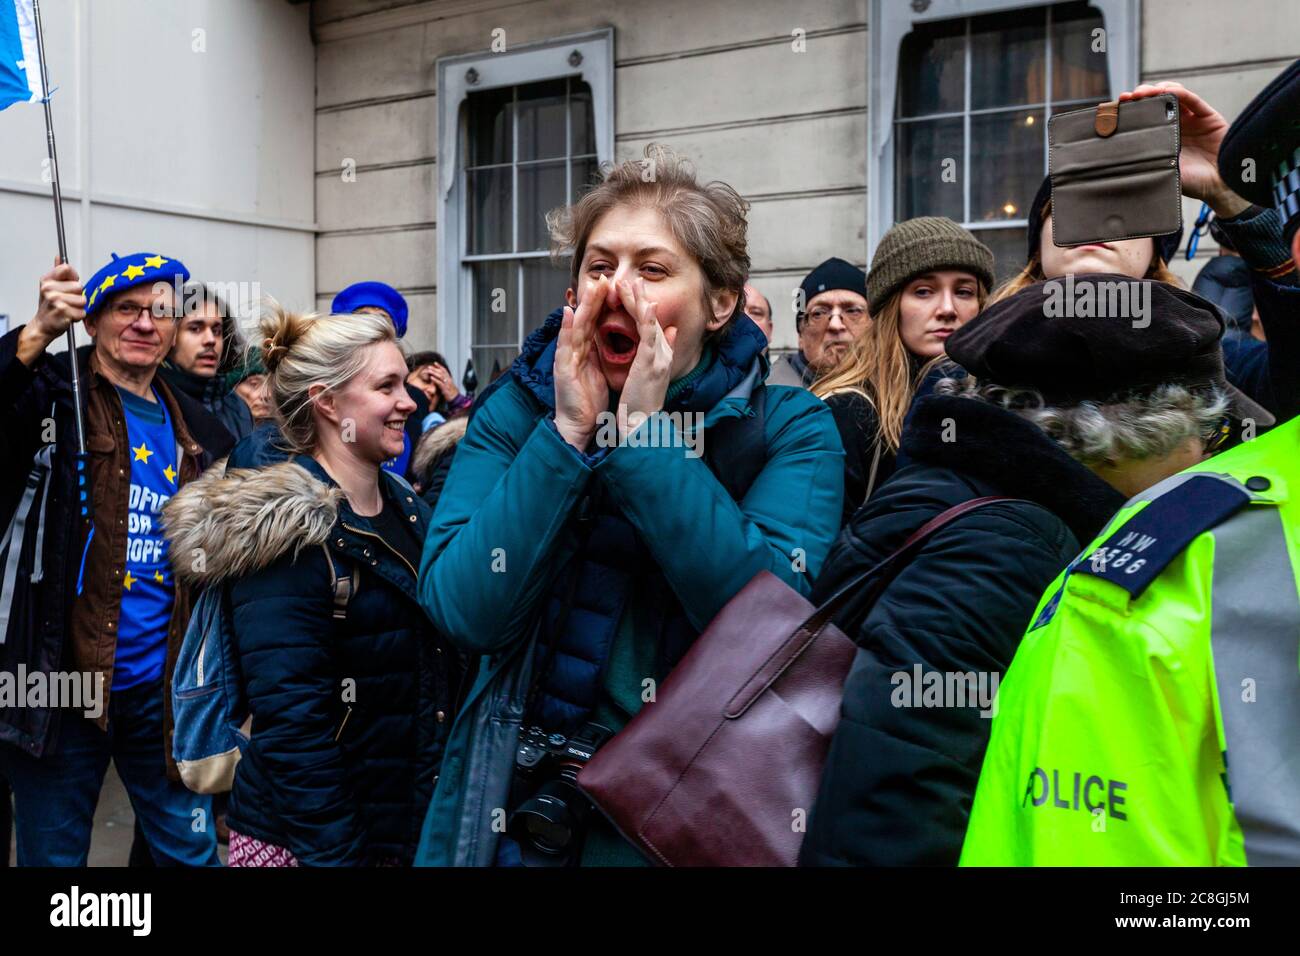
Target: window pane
point(541, 189)
point(489, 126)
point(929, 153)
point(489, 210)
point(541, 120)
point(1006, 153)
point(1008, 53)
point(1008, 247)
point(491, 363)
point(932, 69)
point(584, 174)
point(582, 117)
point(496, 305)
point(1077, 72)
point(544, 287)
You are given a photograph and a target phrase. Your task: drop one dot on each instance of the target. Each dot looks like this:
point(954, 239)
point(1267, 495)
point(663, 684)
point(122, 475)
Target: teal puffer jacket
point(504, 527)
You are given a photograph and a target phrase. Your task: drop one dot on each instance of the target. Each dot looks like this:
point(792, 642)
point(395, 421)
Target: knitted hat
point(251, 366)
point(926, 244)
point(834, 273)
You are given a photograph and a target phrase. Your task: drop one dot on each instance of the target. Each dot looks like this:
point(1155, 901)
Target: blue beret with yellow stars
point(127, 272)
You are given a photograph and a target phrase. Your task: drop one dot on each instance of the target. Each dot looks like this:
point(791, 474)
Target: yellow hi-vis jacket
point(1151, 715)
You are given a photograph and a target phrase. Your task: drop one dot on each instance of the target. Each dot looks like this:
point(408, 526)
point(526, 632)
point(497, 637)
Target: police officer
point(1151, 714)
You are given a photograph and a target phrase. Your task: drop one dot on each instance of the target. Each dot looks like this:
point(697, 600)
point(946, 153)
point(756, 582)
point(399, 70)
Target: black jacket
point(211, 392)
point(1225, 281)
point(859, 428)
point(349, 716)
point(898, 781)
point(1268, 373)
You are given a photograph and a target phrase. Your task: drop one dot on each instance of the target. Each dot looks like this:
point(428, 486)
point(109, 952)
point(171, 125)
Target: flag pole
point(58, 224)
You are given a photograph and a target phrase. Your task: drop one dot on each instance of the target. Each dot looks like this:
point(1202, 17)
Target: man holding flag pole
point(95, 443)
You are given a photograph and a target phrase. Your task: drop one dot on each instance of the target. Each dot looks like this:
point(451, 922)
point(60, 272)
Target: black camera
point(548, 825)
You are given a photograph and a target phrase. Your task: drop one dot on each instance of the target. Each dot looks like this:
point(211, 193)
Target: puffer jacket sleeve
point(709, 546)
point(899, 779)
point(282, 619)
point(493, 547)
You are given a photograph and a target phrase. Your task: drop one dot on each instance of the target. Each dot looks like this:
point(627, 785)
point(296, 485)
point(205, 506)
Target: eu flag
point(20, 67)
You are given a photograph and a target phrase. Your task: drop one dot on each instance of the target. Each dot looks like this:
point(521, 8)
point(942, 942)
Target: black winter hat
point(1092, 337)
point(834, 273)
point(1166, 246)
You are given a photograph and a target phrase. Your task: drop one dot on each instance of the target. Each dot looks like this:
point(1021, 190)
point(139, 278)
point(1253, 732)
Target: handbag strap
point(882, 572)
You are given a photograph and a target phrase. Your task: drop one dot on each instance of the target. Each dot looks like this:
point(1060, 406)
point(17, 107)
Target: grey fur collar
point(436, 443)
point(227, 524)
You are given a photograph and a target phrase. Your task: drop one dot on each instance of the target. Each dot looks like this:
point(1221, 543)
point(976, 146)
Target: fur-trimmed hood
point(437, 442)
point(230, 523)
point(1000, 447)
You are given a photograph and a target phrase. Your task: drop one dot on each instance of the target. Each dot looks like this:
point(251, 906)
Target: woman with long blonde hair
point(929, 277)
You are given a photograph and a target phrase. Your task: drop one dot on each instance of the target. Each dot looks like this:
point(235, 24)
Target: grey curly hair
point(1148, 423)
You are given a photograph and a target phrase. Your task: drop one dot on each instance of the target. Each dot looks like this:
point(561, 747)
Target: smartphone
point(1114, 170)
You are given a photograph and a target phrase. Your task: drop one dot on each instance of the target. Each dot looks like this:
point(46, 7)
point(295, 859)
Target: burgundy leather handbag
point(722, 768)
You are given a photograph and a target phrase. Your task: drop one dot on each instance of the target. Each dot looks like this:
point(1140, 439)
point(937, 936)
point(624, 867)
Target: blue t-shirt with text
point(147, 587)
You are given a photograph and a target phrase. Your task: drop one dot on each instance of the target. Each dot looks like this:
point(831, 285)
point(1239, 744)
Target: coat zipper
point(415, 574)
point(339, 733)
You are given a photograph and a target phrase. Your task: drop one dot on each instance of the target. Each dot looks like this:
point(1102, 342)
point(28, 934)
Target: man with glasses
point(95, 599)
point(830, 312)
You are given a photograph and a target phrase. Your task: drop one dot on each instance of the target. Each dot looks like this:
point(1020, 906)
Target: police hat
point(1093, 337)
point(1260, 155)
point(127, 272)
